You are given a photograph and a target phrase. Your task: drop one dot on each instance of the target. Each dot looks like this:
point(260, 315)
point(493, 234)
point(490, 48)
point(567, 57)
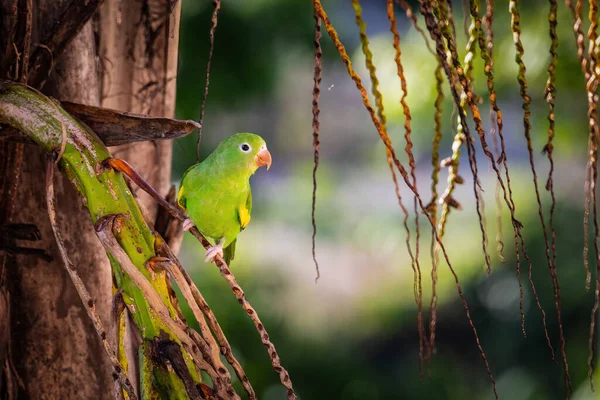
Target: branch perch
point(89, 304)
point(123, 167)
point(129, 242)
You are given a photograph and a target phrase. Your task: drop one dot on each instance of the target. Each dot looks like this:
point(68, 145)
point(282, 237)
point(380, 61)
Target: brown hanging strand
point(435, 161)
point(516, 29)
point(450, 13)
point(597, 290)
point(412, 164)
point(436, 35)
point(577, 17)
point(411, 15)
point(432, 206)
point(441, 15)
point(592, 88)
point(447, 200)
point(433, 26)
point(381, 116)
point(469, 58)
point(436, 31)
point(593, 123)
point(488, 21)
point(315, 126)
point(386, 140)
point(375, 82)
point(213, 28)
point(382, 119)
point(489, 72)
point(550, 95)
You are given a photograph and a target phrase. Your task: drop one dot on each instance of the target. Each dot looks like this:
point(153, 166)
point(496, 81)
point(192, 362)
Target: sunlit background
point(353, 335)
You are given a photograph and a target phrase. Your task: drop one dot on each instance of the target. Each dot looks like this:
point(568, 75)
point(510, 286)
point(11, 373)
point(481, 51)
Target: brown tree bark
point(111, 63)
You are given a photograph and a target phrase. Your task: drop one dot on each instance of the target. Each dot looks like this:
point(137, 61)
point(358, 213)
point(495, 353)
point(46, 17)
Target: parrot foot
point(188, 224)
point(212, 251)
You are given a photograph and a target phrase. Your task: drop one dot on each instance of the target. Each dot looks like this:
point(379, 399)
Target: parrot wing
point(244, 218)
point(245, 211)
point(181, 194)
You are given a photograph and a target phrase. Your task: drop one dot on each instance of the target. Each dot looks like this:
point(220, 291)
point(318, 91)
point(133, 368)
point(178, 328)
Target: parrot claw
point(212, 251)
point(187, 224)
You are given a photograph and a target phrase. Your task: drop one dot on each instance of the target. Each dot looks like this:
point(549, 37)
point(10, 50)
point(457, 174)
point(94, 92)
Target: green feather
point(216, 192)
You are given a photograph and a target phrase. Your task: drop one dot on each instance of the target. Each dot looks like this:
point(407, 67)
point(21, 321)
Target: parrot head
point(246, 151)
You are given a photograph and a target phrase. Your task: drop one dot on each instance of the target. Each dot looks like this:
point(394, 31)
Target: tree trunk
point(111, 62)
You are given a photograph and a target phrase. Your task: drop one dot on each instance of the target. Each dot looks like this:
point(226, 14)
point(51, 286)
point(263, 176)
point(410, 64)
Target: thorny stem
point(516, 29)
point(386, 140)
point(315, 126)
point(408, 149)
point(125, 168)
point(213, 28)
point(90, 305)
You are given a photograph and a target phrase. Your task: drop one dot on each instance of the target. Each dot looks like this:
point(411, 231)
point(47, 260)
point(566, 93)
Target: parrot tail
point(229, 251)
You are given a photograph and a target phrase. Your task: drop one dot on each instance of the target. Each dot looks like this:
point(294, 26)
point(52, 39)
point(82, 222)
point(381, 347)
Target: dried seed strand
point(315, 126)
point(435, 161)
point(440, 12)
point(550, 95)
point(503, 161)
point(413, 18)
point(386, 140)
point(592, 90)
point(412, 164)
point(432, 206)
point(520, 51)
point(213, 28)
point(580, 43)
point(488, 22)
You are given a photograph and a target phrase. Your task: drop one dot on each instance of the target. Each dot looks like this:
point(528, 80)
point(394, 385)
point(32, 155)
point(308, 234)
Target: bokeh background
point(354, 334)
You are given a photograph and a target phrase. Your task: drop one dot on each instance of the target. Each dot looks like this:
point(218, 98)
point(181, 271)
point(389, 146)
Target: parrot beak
point(263, 158)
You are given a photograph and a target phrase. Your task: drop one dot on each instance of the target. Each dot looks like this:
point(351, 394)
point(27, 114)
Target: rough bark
point(139, 58)
point(57, 353)
point(53, 345)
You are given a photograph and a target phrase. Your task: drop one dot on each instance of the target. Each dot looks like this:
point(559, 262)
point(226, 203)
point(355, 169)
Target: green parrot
point(216, 193)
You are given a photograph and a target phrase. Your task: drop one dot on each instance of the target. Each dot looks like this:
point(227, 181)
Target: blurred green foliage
point(354, 335)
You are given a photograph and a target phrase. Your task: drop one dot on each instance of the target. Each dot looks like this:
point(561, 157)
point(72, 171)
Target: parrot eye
point(245, 147)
